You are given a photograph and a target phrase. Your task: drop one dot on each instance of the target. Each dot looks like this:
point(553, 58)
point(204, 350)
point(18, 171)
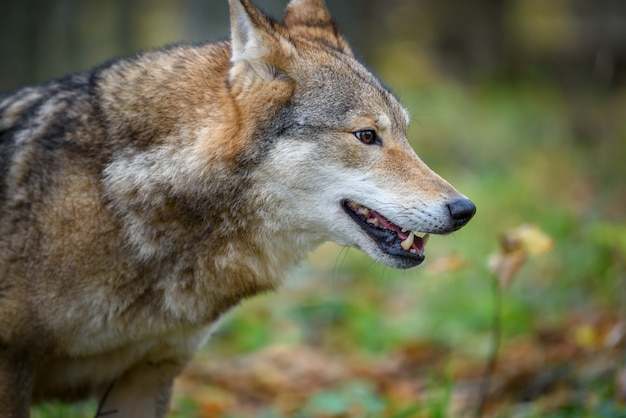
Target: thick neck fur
point(185, 185)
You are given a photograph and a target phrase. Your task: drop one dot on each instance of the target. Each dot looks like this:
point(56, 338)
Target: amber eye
point(367, 137)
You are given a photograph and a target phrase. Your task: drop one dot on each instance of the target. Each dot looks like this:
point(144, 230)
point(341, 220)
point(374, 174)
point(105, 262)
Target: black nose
point(461, 210)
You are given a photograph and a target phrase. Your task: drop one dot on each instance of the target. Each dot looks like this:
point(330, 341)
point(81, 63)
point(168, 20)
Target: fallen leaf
point(447, 263)
point(517, 245)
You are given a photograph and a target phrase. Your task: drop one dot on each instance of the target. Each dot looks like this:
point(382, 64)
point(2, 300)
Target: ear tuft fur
point(311, 19)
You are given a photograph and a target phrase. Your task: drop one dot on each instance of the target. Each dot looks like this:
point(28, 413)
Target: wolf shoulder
point(45, 127)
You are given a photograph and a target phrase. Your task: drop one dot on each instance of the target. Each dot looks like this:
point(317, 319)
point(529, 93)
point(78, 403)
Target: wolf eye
point(367, 136)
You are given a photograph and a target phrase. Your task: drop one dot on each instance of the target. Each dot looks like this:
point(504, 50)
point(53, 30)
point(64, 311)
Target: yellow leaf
point(516, 246)
point(588, 337)
point(528, 238)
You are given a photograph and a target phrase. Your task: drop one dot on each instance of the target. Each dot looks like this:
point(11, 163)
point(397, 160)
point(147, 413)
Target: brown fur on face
point(141, 200)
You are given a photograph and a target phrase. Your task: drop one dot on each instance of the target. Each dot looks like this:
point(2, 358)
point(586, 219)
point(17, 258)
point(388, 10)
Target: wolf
point(141, 200)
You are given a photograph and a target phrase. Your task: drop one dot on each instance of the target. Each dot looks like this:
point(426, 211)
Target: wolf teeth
point(373, 221)
point(408, 242)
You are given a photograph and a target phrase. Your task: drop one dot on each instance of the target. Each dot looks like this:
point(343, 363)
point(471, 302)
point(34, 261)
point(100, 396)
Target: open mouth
point(391, 238)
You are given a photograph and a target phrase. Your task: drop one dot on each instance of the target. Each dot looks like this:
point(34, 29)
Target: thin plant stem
point(496, 337)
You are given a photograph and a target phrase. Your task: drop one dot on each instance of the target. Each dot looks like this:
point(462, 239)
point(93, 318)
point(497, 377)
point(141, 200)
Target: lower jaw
point(402, 262)
point(393, 248)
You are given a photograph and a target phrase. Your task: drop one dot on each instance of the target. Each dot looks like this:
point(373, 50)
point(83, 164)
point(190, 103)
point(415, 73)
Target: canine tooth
point(408, 242)
point(425, 238)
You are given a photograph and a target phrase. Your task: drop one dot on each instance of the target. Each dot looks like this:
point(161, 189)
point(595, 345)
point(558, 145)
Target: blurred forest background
point(521, 104)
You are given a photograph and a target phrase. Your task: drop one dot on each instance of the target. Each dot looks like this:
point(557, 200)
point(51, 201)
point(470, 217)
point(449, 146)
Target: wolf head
point(336, 161)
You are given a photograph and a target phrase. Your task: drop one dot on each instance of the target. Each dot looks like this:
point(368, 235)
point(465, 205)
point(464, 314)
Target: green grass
point(60, 410)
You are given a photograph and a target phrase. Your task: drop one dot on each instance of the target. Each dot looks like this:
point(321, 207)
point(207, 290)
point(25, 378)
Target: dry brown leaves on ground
point(550, 369)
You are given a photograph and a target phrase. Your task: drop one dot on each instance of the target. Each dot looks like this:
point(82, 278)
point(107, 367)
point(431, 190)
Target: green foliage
point(61, 410)
point(355, 398)
point(185, 408)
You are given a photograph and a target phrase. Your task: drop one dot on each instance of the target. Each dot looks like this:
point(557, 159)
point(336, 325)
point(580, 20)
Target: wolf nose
point(461, 210)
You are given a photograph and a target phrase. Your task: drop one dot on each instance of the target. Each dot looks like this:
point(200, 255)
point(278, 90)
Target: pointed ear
point(246, 24)
point(311, 19)
point(256, 42)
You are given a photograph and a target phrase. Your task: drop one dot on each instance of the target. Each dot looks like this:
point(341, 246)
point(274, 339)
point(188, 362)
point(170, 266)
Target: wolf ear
point(256, 43)
point(311, 19)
